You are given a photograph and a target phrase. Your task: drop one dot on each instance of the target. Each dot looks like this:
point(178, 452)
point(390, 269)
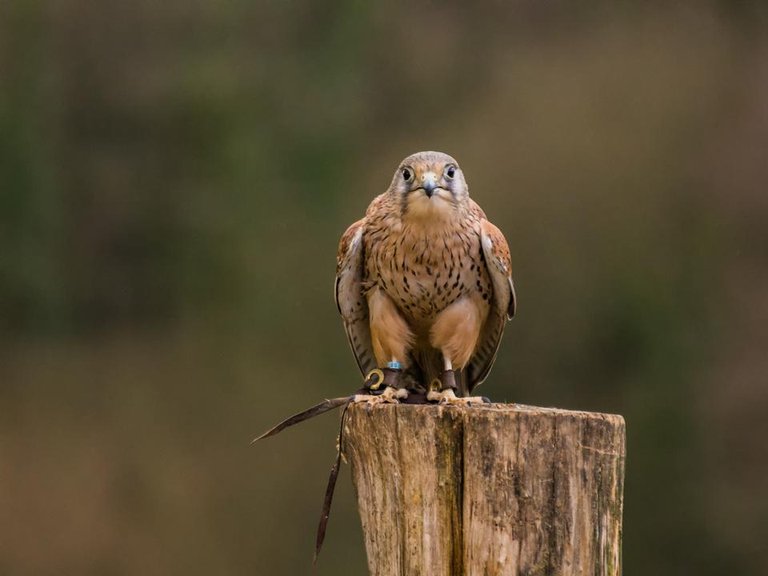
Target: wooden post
point(489, 490)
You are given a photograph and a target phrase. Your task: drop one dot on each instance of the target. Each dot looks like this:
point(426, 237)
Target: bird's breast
point(425, 272)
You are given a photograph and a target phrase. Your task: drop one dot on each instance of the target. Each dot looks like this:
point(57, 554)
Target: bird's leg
point(383, 385)
point(455, 333)
point(391, 338)
point(443, 390)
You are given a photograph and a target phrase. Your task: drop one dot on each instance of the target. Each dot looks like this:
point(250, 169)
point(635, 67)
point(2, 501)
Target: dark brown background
point(174, 177)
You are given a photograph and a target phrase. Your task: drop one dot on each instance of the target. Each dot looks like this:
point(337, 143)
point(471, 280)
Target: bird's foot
point(383, 387)
point(448, 396)
point(443, 391)
point(388, 395)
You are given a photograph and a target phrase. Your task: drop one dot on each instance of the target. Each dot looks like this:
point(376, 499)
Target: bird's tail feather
point(426, 365)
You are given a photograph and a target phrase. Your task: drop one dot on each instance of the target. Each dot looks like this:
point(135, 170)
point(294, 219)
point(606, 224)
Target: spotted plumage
point(424, 279)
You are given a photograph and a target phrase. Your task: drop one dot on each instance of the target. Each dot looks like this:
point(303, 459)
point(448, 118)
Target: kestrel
point(424, 285)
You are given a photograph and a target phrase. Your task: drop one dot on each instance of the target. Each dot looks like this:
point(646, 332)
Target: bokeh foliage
point(174, 178)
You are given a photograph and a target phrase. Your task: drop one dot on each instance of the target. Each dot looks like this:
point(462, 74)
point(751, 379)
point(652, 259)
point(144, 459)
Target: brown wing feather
point(350, 296)
point(503, 303)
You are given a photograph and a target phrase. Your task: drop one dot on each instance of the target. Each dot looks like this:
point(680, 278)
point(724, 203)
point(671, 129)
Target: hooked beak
point(429, 183)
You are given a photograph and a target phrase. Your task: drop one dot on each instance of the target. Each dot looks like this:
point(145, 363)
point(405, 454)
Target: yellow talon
point(435, 384)
point(379, 378)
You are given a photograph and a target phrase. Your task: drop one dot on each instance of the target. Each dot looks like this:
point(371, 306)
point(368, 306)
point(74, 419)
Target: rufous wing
point(350, 295)
point(503, 303)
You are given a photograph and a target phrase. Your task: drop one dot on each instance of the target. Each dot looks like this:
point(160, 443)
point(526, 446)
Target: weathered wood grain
point(487, 490)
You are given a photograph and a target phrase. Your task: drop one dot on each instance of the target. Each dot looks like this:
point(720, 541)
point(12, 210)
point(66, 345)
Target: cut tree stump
point(490, 490)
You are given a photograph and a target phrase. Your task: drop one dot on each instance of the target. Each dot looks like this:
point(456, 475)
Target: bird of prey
point(424, 286)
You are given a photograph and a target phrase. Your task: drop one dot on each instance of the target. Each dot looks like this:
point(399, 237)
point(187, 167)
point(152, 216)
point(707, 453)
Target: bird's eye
point(450, 172)
point(407, 175)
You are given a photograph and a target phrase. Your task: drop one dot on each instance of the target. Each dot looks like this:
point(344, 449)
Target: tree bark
point(487, 490)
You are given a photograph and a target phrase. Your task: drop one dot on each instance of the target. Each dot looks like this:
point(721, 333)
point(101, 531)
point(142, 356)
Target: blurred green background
point(174, 178)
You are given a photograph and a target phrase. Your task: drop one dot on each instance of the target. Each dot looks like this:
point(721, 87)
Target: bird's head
point(429, 185)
